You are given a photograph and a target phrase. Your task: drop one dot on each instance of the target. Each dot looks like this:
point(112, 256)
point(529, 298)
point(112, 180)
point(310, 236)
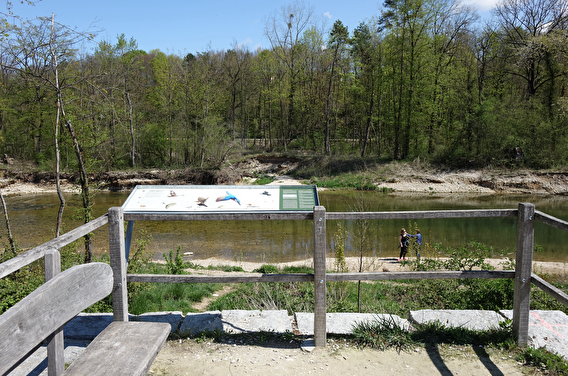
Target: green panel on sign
point(297, 198)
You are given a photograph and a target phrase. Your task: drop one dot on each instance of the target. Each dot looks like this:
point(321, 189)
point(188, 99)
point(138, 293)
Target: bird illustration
point(201, 201)
point(228, 197)
point(266, 193)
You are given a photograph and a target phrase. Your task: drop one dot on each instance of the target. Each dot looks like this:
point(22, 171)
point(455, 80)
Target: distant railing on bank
point(522, 275)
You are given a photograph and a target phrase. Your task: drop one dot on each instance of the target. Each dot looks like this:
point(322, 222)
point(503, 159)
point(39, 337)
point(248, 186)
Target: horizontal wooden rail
point(167, 278)
point(420, 275)
point(549, 289)
point(38, 252)
point(217, 216)
point(438, 214)
point(367, 276)
point(551, 221)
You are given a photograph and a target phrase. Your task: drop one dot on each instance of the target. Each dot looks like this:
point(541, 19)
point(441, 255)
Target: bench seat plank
point(24, 326)
point(123, 348)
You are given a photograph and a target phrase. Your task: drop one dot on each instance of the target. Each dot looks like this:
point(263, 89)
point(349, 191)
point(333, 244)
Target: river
point(33, 217)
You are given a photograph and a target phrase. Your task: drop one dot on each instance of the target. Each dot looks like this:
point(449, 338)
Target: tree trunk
point(132, 145)
point(59, 111)
point(10, 237)
point(85, 194)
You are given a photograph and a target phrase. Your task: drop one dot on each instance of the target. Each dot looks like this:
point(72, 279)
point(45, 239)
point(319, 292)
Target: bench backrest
point(33, 319)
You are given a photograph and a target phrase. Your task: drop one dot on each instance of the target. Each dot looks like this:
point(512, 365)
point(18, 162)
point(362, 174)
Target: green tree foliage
point(420, 79)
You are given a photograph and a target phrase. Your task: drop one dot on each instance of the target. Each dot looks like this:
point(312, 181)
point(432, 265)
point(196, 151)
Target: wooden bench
point(123, 348)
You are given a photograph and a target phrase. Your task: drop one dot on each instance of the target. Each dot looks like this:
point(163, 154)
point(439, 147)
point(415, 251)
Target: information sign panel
point(221, 198)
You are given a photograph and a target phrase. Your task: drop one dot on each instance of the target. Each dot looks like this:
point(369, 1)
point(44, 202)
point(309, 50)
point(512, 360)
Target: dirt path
point(190, 357)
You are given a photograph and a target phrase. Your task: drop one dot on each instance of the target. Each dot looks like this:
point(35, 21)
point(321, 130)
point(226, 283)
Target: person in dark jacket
point(403, 243)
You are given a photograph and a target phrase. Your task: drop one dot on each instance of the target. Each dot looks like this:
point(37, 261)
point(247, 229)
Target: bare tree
point(37, 52)
point(524, 24)
point(284, 29)
point(8, 228)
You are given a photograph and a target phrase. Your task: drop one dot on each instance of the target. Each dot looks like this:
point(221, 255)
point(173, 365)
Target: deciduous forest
point(420, 79)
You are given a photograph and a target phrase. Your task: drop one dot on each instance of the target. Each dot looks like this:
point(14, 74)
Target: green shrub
point(18, 285)
point(263, 180)
point(267, 269)
point(175, 264)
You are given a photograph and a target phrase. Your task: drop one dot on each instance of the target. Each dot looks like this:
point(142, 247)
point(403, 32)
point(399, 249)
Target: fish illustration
point(201, 201)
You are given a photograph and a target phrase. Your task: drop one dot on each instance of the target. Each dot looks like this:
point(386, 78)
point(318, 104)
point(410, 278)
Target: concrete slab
point(547, 329)
point(236, 322)
point(86, 326)
point(174, 318)
point(241, 321)
point(200, 322)
point(470, 319)
point(343, 323)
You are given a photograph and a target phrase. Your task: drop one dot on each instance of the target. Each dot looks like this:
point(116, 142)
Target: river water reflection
point(33, 221)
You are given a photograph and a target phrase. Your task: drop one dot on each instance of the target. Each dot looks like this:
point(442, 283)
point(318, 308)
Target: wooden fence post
point(118, 263)
point(320, 334)
point(55, 344)
point(523, 271)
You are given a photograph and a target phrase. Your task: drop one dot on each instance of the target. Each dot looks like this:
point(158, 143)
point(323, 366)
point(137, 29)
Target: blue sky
point(179, 27)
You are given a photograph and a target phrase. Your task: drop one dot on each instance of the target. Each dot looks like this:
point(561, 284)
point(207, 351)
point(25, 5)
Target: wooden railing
point(522, 275)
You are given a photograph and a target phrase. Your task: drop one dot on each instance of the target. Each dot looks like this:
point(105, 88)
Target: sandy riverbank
point(416, 177)
point(370, 264)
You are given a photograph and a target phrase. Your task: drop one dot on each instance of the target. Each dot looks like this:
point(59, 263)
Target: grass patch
point(263, 180)
point(551, 364)
point(157, 297)
point(383, 333)
point(267, 269)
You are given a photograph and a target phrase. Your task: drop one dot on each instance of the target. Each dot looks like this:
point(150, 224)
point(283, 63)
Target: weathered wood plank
point(168, 278)
point(123, 348)
point(368, 276)
point(377, 276)
point(55, 344)
point(438, 214)
point(38, 252)
point(57, 301)
point(551, 221)
point(320, 330)
point(118, 263)
point(556, 293)
point(523, 272)
point(216, 216)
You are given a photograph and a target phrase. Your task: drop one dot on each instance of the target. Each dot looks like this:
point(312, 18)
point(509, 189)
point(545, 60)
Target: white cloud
point(245, 43)
point(482, 5)
point(328, 15)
